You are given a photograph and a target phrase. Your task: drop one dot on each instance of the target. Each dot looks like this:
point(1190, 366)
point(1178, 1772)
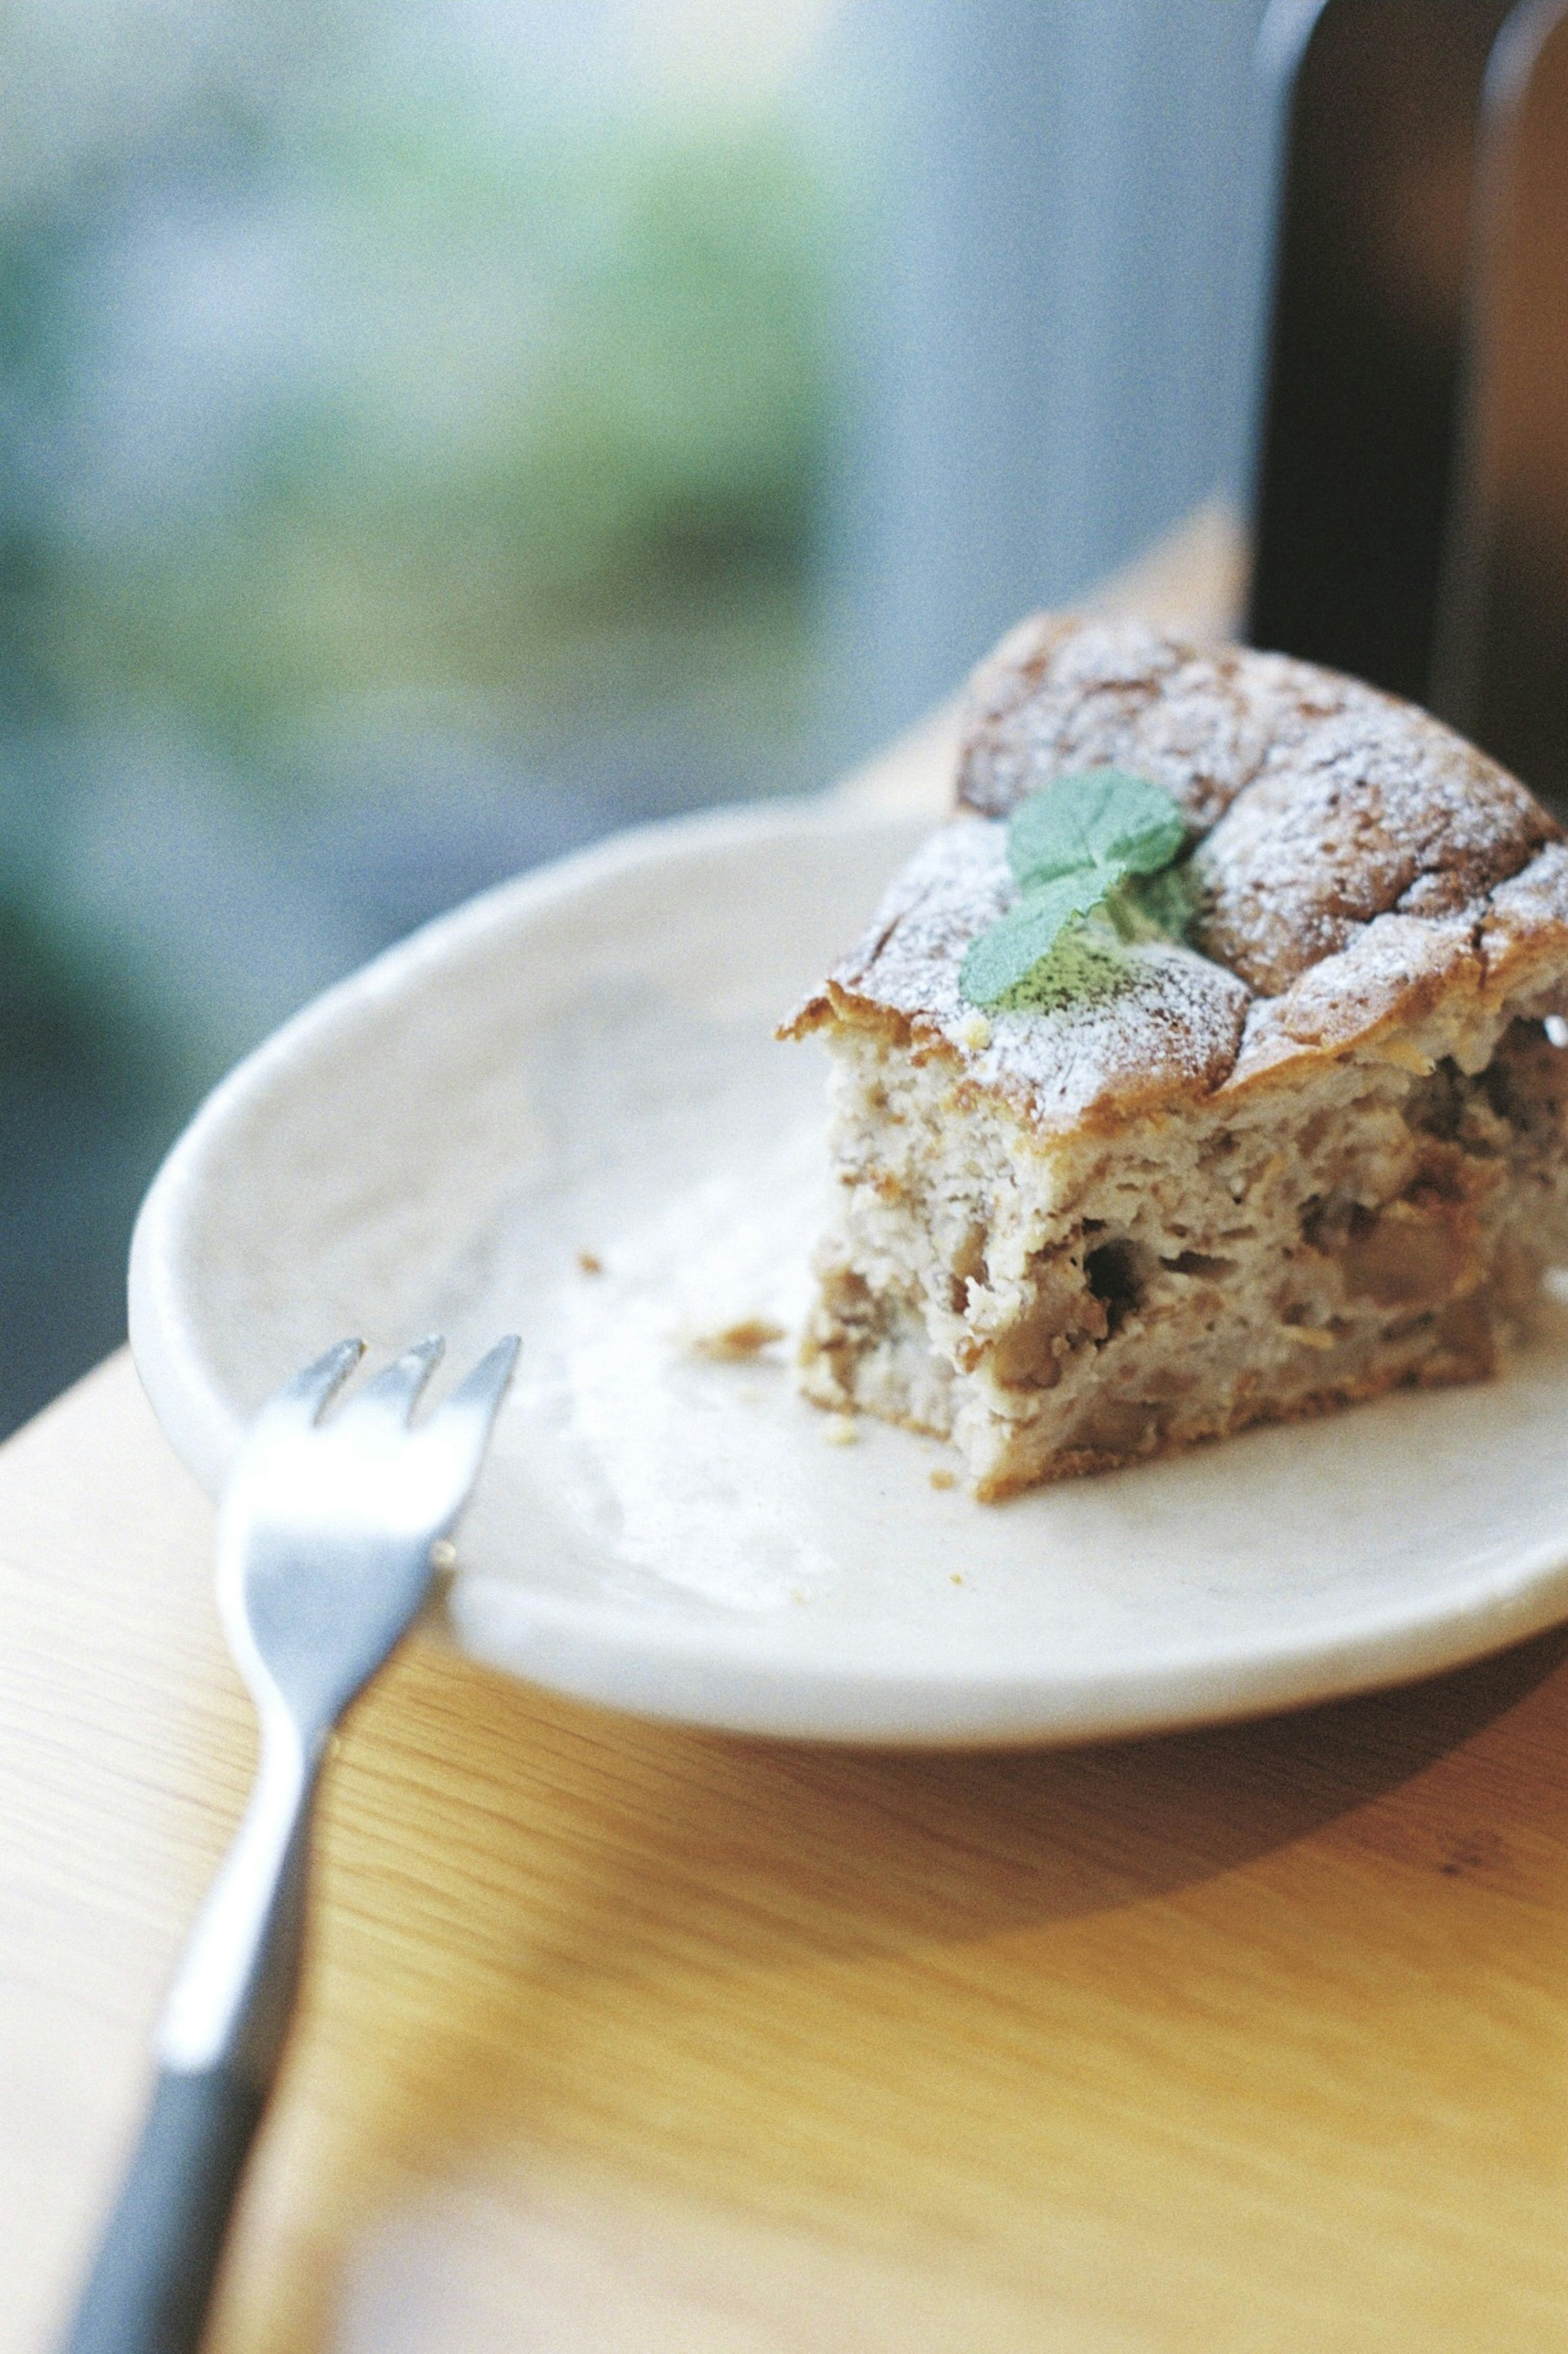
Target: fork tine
point(467, 1415)
point(481, 1390)
point(395, 1389)
point(306, 1398)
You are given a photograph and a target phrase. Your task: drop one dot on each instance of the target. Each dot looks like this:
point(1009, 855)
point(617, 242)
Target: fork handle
point(222, 2031)
point(149, 2289)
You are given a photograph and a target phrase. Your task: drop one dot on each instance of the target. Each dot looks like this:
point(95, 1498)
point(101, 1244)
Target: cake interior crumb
point(1058, 1307)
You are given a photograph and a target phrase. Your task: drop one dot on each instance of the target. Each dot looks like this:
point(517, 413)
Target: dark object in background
point(1411, 514)
point(1501, 671)
point(1381, 102)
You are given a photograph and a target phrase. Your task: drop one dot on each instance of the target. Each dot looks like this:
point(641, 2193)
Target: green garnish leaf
point(1004, 957)
point(1086, 962)
point(1102, 837)
point(1100, 817)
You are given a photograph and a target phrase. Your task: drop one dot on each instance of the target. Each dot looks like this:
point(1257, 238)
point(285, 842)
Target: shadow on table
point(841, 1851)
point(689, 1957)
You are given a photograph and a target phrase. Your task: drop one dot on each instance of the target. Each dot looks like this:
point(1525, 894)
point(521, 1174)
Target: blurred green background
point(412, 427)
point(435, 433)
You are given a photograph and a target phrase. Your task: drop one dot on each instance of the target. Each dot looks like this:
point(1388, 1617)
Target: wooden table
point(621, 2039)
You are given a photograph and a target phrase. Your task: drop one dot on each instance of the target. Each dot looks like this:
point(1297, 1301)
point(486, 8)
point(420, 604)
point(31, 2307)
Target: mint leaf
point(1086, 962)
point(1098, 817)
point(999, 959)
point(1099, 837)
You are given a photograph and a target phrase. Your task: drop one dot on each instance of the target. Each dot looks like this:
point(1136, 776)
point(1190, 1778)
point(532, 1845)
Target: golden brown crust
point(1374, 813)
point(1523, 935)
point(1061, 694)
point(1360, 865)
point(1321, 803)
point(1394, 972)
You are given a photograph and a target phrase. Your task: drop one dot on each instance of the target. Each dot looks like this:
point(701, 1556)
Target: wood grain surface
point(619, 2037)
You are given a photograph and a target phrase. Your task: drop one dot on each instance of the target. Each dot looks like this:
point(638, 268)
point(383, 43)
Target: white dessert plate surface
point(578, 1072)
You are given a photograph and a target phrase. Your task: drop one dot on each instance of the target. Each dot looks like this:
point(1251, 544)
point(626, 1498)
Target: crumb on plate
point(732, 1342)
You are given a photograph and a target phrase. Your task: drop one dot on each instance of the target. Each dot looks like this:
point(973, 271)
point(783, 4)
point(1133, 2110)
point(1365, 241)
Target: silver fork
point(324, 1555)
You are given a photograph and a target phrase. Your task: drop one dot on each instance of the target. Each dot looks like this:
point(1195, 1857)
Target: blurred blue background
point(432, 436)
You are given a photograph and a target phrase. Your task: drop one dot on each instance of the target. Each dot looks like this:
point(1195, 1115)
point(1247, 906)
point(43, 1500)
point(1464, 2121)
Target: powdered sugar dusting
point(1060, 694)
point(1318, 803)
point(1173, 1027)
point(1395, 967)
point(1355, 860)
point(1524, 936)
point(1366, 814)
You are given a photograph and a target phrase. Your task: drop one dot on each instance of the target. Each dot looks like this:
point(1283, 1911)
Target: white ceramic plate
point(583, 1062)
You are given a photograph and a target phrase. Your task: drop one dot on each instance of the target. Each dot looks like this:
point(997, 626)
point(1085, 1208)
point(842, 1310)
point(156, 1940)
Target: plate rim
point(600, 1651)
point(1216, 1684)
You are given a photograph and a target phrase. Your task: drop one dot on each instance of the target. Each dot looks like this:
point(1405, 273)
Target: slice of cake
point(1274, 1120)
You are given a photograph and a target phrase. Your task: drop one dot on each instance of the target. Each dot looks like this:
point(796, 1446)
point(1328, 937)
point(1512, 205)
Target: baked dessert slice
point(1311, 1148)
